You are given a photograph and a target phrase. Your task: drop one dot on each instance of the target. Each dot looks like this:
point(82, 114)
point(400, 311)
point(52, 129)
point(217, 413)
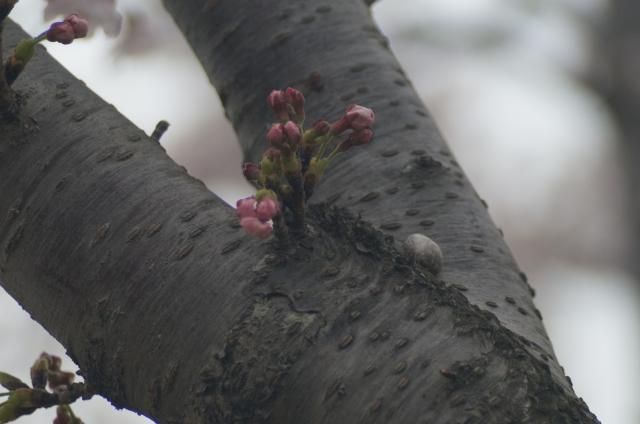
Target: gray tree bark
point(617, 81)
point(171, 311)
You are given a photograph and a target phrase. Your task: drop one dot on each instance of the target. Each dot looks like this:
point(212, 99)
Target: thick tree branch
point(408, 180)
point(169, 311)
point(106, 241)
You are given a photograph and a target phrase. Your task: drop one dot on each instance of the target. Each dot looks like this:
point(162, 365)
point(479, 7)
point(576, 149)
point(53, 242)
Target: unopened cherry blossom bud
point(61, 32)
point(270, 163)
point(60, 378)
point(251, 171)
point(340, 126)
point(80, 26)
point(321, 127)
point(39, 372)
point(292, 132)
point(357, 138)
point(360, 117)
point(267, 209)
point(272, 154)
point(55, 362)
point(295, 99)
point(257, 228)
point(246, 207)
point(275, 135)
point(277, 101)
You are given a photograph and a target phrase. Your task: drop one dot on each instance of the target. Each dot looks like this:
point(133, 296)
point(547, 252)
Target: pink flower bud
point(246, 207)
point(256, 228)
point(340, 126)
point(60, 378)
point(272, 154)
point(357, 138)
point(277, 101)
point(321, 127)
point(359, 117)
point(80, 26)
point(275, 136)
point(68, 30)
point(295, 98)
point(55, 362)
point(292, 131)
point(267, 208)
point(251, 171)
point(61, 32)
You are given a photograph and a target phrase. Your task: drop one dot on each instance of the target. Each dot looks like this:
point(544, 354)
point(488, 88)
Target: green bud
point(24, 50)
point(20, 403)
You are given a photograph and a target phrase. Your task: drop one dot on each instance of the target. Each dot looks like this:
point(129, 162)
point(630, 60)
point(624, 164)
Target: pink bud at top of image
point(275, 135)
point(256, 228)
point(277, 101)
point(246, 207)
point(267, 208)
point(292, 131)
point(359, 117)
point(295, 98)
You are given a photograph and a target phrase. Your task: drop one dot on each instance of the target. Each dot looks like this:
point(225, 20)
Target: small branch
point(158, 132)
point(68, 395)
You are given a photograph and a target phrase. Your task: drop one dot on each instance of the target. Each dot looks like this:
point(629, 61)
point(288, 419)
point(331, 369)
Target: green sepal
point(20, 403)
point(317, 166)
point(24, 50)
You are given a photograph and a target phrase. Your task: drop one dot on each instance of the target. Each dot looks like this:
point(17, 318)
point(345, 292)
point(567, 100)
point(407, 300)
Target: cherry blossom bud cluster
point(287, 105)
point(256, 215)
point(287, 135)
point(295, 160)
point(47, 369)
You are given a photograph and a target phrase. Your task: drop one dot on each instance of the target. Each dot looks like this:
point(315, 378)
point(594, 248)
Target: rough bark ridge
point(171, 312)
point(621, 88)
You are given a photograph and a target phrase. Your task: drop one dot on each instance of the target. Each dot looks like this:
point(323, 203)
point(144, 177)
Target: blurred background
point(539, 101)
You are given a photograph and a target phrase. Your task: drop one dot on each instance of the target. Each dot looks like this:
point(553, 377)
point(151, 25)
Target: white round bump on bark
point(424, 251)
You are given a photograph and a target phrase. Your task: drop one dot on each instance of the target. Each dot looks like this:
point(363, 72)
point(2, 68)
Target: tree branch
point(171, 312)
point(106, 241)
point(407, 181)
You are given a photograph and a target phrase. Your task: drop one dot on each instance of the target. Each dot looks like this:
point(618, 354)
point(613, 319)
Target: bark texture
point(618, 82)
point(170, 311)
